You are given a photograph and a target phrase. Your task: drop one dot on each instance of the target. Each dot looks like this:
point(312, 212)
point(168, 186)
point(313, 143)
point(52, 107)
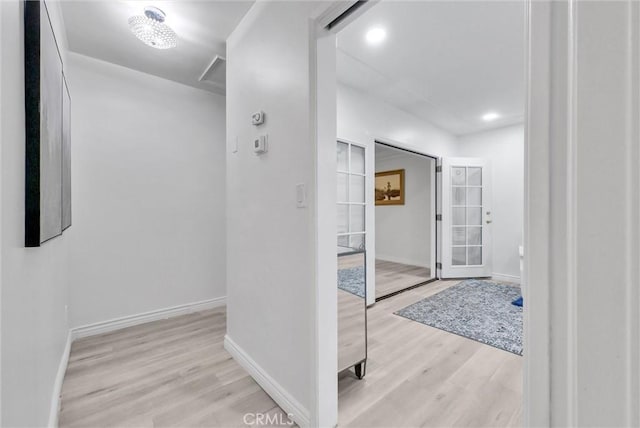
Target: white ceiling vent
point(216, 73)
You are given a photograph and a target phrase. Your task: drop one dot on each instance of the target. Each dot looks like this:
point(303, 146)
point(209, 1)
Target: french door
point(351, 197)
point(466, 218)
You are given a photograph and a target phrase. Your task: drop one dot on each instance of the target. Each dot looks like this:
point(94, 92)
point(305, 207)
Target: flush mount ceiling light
point(491, 116)
point(152, 30)
point(376, 35)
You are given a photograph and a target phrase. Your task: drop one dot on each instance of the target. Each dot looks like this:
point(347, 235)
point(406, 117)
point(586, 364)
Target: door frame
point(433, 221)
point(537, 216)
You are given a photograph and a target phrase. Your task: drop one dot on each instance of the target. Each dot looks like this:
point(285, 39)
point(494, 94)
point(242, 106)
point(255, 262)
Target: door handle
point(489, 221)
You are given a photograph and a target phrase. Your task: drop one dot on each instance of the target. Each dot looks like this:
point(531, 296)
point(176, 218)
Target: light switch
point(301, 195)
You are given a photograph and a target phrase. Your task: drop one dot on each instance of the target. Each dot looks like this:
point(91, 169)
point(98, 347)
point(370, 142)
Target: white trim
point(505, 277)
point(2, 210)
point(57, 384)
point(433, 192)
point(561, 264)
point(572, 215)
point(112, 325)
point(280, 395)
point(145, 317)
point(536, 409)
point(324, 350)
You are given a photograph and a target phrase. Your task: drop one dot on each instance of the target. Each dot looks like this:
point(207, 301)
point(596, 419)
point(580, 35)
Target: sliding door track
point(344, 15)
point(395, 293)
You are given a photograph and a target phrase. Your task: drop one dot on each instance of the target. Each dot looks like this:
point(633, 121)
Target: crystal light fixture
point(152, 30)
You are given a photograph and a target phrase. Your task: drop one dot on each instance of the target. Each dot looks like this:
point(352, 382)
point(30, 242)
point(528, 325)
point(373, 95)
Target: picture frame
point(66, 155)
point(389, 187)
point(47, 132)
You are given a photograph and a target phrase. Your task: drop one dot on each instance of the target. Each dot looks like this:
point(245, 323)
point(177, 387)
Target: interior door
point(466, 218)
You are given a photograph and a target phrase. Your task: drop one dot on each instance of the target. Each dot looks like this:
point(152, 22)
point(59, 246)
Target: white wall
point(362, 119)
point(148, 193)
point(148, 212)
point(403, 232)
point(271, 249)
point(504, 147)
point(33, 280)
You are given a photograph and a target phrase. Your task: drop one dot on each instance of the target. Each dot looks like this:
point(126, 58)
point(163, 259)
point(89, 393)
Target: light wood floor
point(172, 372)
point(176, 372)
point(419, 376)
point(392, 276)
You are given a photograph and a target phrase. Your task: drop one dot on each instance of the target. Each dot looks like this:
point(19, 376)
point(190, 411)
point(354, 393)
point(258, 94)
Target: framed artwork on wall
point(47, 118)
point(390, 187)
point(66, 156)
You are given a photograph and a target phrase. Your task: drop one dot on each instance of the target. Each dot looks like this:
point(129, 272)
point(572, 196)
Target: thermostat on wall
point(260, 144)
point(257, 118)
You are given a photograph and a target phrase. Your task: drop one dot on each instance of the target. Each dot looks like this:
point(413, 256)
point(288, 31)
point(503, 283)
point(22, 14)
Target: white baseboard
point(57, 384)
point(112, 325)
point(506, 278)
point(131, 320)
point(298, 412)
point(419, 263)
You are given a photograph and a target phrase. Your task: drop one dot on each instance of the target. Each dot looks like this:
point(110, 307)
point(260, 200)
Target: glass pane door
point(466, 218)
point(351, 197)
point(466, 208)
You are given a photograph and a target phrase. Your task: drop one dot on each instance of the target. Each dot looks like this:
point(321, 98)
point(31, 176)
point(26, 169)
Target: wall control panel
point(257, 118)
point(260, 144)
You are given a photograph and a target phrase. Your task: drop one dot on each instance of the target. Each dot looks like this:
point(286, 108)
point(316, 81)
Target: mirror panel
point(352, 319)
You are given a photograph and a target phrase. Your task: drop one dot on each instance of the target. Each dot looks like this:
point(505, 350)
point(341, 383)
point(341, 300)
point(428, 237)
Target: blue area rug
point(351, 280)
point(479, 310)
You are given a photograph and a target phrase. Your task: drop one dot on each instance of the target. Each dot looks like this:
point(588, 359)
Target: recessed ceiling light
point(376, 35)
point(152, 30)
point(488, 117)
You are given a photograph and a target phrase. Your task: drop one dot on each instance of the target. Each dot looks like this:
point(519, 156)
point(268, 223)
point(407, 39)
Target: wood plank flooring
point(176, 373)
point(419, 376)
point(173, 372)
point(392, 276)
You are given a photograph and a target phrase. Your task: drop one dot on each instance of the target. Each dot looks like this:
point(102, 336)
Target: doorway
point(405, 219)
point(385, 92)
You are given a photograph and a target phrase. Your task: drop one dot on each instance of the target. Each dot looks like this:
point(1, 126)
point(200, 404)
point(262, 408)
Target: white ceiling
point(448, 62)
point(100, 29)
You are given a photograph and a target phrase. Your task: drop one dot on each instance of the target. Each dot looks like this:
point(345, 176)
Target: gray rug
point(479, 310)
point(351, 280)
